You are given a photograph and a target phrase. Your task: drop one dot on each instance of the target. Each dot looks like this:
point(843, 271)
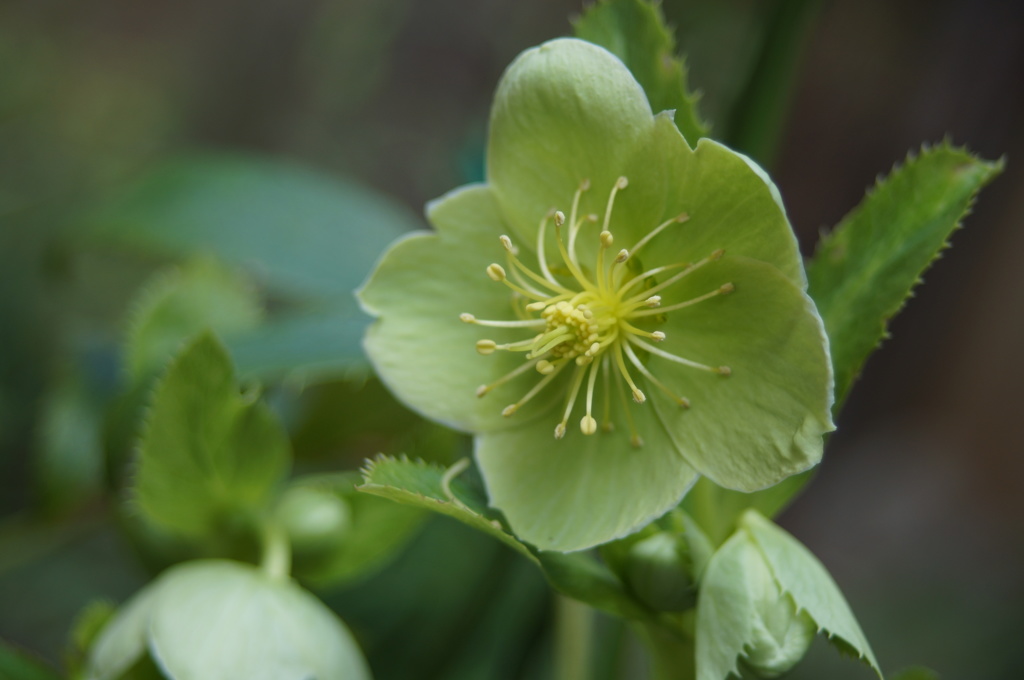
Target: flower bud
point(315, 519)
point(658, 573)
point(781, 635)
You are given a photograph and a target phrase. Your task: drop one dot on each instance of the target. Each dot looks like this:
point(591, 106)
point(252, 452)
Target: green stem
point(672, 654)
point(277, 552)
point(759, 112)
point(574, 629)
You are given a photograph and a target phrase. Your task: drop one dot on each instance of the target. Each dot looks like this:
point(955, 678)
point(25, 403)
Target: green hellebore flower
point(649, 322)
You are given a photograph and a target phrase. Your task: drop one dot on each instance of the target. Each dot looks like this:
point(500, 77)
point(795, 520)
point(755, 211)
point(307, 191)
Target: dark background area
point(917, 507)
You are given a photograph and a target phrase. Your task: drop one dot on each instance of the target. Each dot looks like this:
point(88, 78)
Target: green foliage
point(916, 673)
point(860, 277)
point(306, 234)
point(180, 303)
point(377, 529)
point(863, 272)
point(302, 235)
point(68, 451)
point(431, 486)
point(16, 665)
point(208, 454)
point(757, 588)
point(441, 490)
point(635, 32)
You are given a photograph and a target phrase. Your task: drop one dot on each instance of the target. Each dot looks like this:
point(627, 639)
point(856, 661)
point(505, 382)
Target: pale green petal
point(765, 421)
point(418, 345)
point(221, 620)
point(564, 112)
point(582, 491)
point(730, 203)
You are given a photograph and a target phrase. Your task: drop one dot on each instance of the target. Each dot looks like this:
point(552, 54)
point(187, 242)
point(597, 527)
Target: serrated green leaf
point(860, 277)
point(863, 271)
point(181, 302)
point(207, 451)
point(221, 620)
point(302, 232)
point(431, 486)
point(800, 574)
point(377, 530)
point(635, 32)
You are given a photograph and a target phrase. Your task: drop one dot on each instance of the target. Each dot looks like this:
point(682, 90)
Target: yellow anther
point(622, 183)
point(559, 430)
point(507, 243)
point(482, 390)
point(466, 317)
point(588, 425)
point(637, 441)
point(638, 396)
point(726, 288)
point(559, 218)
point(509, 410)
point(496, 272)
point(724, 371)
point(657, 336)
point(622, 256)
point(607, 239)
point(486, 346)
point(717, 255)
point(653, 301)
point(544, 367)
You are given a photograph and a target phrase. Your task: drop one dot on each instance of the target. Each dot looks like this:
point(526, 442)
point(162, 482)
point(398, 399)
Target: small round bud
point(607, 239)
point(658, 573)
point(315, 520)
point(781, 636)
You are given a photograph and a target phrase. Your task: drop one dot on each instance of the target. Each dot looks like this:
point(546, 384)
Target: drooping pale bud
point(781, 635)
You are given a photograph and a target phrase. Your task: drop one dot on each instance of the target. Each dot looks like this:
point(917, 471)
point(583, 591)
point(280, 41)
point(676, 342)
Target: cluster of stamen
point(588, 321)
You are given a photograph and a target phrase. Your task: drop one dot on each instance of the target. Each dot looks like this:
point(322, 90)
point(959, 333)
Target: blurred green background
point(356, 112)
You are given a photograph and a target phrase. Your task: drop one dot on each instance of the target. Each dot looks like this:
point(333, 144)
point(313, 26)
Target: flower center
point(593, 320)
